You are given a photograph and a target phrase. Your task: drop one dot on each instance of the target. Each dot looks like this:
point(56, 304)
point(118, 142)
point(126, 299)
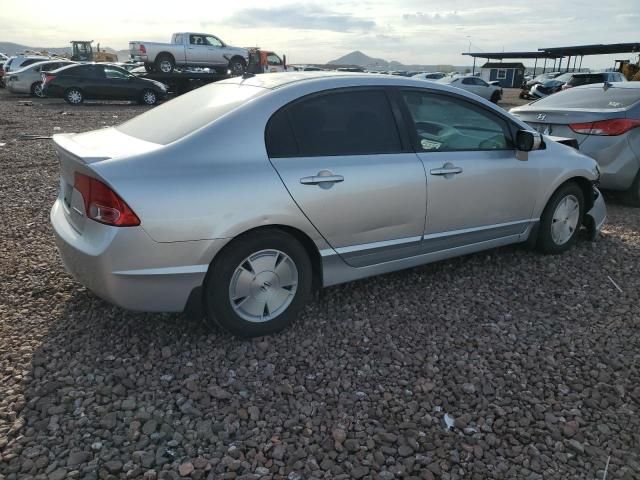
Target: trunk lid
point(76, 152)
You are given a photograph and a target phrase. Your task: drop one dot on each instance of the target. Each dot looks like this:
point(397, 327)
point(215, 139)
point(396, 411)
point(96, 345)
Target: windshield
point(594, 98)
point(189, 112)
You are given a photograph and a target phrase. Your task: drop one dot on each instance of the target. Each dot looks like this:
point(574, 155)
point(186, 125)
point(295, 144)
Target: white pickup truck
point(188, 49)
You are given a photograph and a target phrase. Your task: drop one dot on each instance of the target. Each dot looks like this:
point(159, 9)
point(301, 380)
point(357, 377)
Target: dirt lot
point(535, 360)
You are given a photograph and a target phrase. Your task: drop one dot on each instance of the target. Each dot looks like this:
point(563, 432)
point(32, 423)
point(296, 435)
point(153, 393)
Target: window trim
point(411, 130)
point(405, 143)
point(503, 71)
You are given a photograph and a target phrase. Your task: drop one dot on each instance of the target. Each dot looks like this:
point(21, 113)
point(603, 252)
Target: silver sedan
point(605, 121)
point(240, 198)
point(29, 79)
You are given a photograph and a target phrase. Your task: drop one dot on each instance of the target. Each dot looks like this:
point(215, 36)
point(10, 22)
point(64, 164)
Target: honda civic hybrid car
point(241, 197)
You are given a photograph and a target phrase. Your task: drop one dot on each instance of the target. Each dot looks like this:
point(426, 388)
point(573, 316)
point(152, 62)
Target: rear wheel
point(258, 284)
point(165, 63)
point(36, 90)
point(148, 97)
point(561, 219)
point(73, 96)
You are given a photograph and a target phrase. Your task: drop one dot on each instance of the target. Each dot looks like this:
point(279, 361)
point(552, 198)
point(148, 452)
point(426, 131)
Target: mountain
point(359, 59)
point(10, 48)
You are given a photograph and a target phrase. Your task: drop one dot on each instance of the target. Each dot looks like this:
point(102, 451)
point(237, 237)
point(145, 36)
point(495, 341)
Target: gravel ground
point(504, 365)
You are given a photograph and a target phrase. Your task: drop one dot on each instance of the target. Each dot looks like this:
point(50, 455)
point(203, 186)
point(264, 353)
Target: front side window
point(273, 59)
point(111, 72)
point(213, 41)
point(358, 122)
point(444, 124)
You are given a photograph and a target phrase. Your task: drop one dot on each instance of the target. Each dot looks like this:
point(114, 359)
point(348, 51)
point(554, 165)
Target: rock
point(254, 413)
point(262, 471)
point(166, 352)
point(352, 445)
point(359, 472)
point(277, 452)
point(109, 420)
point(576, 446)
point(128, 404)
point(469, 388)
point(405, 450)
point(339, 435)
point(113, 466)
point(149, 427)
point(57, 474)
point(186, 469)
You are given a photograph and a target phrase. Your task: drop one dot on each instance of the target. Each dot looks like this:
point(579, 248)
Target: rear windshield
point(179, 117)
point(592, 98)
point(586, 79)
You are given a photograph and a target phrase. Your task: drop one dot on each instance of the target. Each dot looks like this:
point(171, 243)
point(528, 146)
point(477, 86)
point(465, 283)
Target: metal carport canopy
point(502, 55)
point(599, 49)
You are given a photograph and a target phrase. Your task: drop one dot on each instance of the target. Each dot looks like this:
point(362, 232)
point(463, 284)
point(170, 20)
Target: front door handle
point(447, 169)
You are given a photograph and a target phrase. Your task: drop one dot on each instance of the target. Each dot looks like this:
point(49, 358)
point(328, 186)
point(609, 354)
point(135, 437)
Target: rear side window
point(358, 122)
point(91, 71)
point(592, 98)
point(586, 79)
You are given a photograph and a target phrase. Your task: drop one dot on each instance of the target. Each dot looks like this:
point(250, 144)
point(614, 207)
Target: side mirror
point(527, 141)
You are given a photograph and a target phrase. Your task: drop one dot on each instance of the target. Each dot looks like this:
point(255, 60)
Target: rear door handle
point(320, 179)
point(446, 170)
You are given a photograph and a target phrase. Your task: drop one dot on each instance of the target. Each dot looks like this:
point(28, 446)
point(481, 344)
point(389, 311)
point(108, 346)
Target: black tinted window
point(279, 136)
point(445, 123)
point(92, 71)
point(586, 79)
point(344, 123)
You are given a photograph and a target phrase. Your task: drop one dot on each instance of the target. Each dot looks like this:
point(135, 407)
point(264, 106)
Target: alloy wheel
point(149, 97)
point(74, 96)
point(165, 66)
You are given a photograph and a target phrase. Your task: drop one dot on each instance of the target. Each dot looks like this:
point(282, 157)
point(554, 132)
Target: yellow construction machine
point(82, 51)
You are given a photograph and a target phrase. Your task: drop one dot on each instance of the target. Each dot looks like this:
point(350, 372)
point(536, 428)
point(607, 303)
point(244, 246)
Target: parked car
point(20, 61)
point(549, 87)
point(578, 79)
point(429, 76)
point(474, 85)
point(165, 211)
point(605, 123)
point(98, 81)
point(29, 79)
point(528, 84)
point(188, 49)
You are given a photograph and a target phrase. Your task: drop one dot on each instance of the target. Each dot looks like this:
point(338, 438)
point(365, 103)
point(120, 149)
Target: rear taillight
point(616, 126)
point(103, 204)
point(47, 77)
point(142, 49)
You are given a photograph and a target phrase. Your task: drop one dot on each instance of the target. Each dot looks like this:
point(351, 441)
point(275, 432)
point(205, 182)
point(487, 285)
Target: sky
point(409, 31)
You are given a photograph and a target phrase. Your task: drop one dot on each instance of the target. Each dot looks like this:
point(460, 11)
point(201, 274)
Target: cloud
point(300, 17)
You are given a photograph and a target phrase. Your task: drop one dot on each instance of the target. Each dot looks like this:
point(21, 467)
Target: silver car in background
point(605, 120)
point(243, 196)
point(475, 85)
point(29, 79)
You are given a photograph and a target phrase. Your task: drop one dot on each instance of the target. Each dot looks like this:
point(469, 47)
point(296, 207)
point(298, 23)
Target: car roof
point(631, 85)
point(274, 81)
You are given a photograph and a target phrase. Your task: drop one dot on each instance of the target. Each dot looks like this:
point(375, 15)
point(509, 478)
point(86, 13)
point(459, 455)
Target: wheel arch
point(166, 54)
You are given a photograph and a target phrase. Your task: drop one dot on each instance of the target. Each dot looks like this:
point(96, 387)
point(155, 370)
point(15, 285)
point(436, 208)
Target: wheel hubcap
point(565, 220)
point(236, 68)
point(165, 66)
point(149, 98)
point(75, 96)
point(263, 286)
point(38, 90)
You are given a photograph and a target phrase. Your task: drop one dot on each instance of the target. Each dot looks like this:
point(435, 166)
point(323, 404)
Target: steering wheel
point(493, 143)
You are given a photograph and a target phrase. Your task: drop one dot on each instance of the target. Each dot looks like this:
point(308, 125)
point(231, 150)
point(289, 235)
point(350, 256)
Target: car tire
point(561, 219)
point(495, 97)
point(148, 97)
point(36, 90)
point(73, 96)
point(165, 63)
point(632, 196)
point(262, 274)
point(237, 66)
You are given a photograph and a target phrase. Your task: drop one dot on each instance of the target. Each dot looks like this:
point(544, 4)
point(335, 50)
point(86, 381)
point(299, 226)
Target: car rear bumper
point(128, 268)
point(140, 58)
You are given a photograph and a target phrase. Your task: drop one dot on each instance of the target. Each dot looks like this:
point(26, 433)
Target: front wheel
point(237, 66)
point(561, 219)
point(258, 284)
point(73, 96)
point(148, 97)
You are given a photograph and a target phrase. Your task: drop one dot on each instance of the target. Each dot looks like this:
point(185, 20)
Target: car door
point(477, 190)
point(274, 63)
point(91, 80)
point(341, 157)
point(198, 50)
point(121, 83)
point(215, 50)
